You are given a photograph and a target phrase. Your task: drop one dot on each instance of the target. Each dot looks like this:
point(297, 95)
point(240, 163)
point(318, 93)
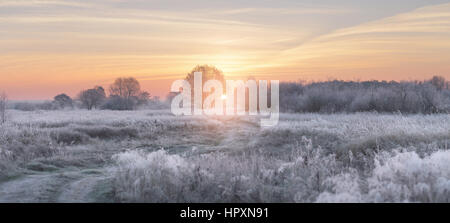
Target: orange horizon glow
point(43, 54)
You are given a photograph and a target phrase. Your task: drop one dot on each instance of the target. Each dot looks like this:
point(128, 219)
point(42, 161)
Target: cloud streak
point(403, 46)
point(42, 3)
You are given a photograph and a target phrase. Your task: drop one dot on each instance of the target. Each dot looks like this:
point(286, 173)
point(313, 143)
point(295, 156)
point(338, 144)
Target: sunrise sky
point(62, 46)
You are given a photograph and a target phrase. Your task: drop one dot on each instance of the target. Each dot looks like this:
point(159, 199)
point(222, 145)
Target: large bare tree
point(126, 94)
point(208, 73)
point(92, 98)
point(125, 88)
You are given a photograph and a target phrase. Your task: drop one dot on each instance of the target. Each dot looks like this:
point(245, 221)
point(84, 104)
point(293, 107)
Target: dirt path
point(72, 186)
point(91, 188)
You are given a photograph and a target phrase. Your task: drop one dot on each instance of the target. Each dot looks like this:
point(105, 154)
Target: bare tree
point(92, 98)
point(126, 94)
point(3, 103)
point(438, 82)
point(143, 98)
point(208, 73)
point(125, 88)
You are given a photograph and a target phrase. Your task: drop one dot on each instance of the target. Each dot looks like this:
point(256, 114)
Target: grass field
point(153, 156)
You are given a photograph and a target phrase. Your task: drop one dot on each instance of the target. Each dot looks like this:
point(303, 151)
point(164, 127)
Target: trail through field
point(94, 183)
point(56, 187)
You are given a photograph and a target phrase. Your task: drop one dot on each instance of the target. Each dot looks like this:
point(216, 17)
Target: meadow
point(153, 156)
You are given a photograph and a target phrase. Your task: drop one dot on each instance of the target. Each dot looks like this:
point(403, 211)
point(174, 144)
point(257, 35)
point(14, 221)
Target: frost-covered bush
point(406, 177)
point(342, 188)
point(305, 175)
point(403, 177)
point(68, 136)
point(157, 176)
point(20, 144)
point(221, 177)
point(105, 132)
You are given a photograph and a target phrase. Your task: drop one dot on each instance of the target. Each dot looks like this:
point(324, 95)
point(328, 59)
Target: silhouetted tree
point(63, 100)
point(143, 98)
point(208, 73)
point(438, 82)
point(92, 98)
point(126, 94)
point(125, 88)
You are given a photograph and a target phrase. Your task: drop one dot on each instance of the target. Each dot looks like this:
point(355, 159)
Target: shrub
point(218, 177)
point(68, 136)
point(33, 106)
point(403, 177)
point(406, 177)
point(119, 103)
point(104, 132)
point(20, 144)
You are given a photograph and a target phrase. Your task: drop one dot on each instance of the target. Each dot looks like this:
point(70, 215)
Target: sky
point(49, 47)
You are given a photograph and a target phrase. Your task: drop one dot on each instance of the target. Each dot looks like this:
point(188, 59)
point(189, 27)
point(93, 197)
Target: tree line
point(431, 96)
point(124, 94)
point(428, 96)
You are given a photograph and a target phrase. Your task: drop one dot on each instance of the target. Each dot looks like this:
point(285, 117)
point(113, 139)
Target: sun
point(224, 97)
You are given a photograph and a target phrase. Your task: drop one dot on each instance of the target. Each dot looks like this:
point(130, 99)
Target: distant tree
point(438, 82)
point(3, 104)
point(92, 98)
point(115, 102)
point(63, 100)
point(126, 94)
point(208, 73)
point(143, 98)
point(125, 88)
point(100, 90)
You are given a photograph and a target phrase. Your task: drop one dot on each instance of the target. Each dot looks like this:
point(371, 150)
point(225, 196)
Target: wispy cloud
point(403, 46)
point(286, 11)
point(42, 3)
